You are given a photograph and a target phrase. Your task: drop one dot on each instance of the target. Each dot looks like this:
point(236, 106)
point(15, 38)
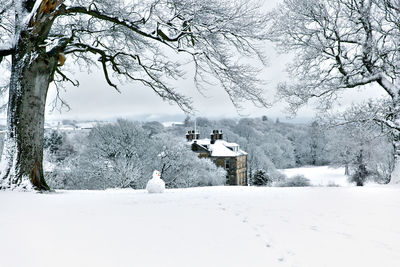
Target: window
point(227, 164)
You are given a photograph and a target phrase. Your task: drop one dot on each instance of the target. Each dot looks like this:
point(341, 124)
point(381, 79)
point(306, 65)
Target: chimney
point(192, 135)
point(216, 135)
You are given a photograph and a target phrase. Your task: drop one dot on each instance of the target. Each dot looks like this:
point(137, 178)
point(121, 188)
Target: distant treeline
point(124, 153)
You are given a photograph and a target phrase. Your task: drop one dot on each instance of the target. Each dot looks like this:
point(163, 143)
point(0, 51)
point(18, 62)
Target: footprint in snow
point(291, 253)
point(221, 207)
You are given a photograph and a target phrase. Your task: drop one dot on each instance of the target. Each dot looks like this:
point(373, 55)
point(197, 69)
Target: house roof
point(220, 148)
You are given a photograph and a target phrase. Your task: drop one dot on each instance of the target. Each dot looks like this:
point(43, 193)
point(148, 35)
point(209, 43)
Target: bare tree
point(358, 146)
point(130, 40)
point(339, 45)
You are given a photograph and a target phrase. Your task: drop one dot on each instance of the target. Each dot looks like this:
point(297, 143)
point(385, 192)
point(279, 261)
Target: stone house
point(224, 154)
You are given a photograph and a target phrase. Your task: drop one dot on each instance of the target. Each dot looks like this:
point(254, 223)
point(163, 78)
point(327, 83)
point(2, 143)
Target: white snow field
point(203, 227)
point(322, 175)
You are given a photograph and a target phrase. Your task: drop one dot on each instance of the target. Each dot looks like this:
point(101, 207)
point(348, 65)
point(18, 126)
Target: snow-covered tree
point(130, 40)
point(53, 141)
point(339, 45)
point(261, 178)
point(110, 156)
point(361, 173)
point(120, 151)
point(357, 147)
point(316, 143)
point(340, 148)
point(279, 149)
point(257, 159)
point(153, 127)
point(310, 145)
point(180, 167)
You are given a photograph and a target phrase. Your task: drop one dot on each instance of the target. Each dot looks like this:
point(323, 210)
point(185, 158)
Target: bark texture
point(23, 157)
point(31, 73)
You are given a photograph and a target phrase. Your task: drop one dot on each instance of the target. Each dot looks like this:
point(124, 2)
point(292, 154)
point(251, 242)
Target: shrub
point(332, 184)
point(277, 177)
point(295, 181)
point(360, 175)
point(261, 178)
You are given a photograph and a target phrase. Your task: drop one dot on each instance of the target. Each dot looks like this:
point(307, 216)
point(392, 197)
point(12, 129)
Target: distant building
point(224, 154)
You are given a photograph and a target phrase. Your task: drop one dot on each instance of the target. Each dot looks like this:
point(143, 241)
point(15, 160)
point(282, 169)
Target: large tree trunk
point(31, 73)
point(22, 159)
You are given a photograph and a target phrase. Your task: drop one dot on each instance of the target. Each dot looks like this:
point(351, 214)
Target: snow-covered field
point(322, 175)
point(215, 226)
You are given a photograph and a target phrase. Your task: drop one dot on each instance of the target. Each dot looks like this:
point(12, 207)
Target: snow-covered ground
point(322, 175)
point(215, 226)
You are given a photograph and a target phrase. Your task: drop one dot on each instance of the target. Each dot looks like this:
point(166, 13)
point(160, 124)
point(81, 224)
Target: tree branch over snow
point(339, 44)
point(104, 58)
point(65, 78)
point(157, 34)
point(185, 30)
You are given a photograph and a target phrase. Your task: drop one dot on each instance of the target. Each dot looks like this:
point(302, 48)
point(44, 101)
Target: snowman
point(155, 185)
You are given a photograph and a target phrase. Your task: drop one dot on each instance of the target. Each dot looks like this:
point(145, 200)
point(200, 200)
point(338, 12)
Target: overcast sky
point(94, 99)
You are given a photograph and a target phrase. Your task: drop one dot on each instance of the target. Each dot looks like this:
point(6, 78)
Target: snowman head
point(156, 174)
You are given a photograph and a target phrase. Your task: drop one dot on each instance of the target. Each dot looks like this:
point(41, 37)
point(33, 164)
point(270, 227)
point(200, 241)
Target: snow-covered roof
point(220, 148)
point(203, 142)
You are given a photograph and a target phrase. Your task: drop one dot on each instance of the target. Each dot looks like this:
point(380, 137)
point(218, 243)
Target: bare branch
point(339, 45)
point(104, 58)
point(157, 34)
point(65, 78)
